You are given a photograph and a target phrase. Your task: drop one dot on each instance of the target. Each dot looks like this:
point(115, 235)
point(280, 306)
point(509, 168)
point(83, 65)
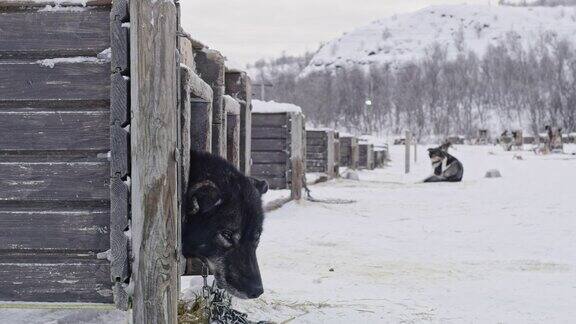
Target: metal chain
point(325, 201)
point(218, 304)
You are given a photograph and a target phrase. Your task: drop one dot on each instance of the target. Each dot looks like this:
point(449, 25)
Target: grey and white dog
point(446, 167)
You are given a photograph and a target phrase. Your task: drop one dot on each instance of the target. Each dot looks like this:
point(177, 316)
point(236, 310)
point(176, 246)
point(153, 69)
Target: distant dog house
point(99, 108)
point(278, 145)
point(366, 156)
point(349, 151)
point(517, 139)
point(456, 140)
point(320, 155)
point(527, 139)
point(380, 156)
point(483, 137)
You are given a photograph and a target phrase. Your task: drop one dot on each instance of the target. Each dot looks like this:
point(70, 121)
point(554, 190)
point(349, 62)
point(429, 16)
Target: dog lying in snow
point(446, 167)
point(222, 223)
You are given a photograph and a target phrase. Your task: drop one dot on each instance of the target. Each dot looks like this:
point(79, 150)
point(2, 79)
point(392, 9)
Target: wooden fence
point(99, 109)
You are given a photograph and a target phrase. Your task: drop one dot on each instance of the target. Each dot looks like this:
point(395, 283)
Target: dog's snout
point(256, 291)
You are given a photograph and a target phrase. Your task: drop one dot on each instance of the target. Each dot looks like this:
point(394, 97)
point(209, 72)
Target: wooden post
point(239, 86)
point(297, 154)
point(232, 109)
point(415, 151)
point(210, 67)
point(407, 156)
point(155, 207)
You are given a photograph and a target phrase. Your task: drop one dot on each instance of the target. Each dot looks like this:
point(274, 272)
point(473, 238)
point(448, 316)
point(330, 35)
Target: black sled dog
point(222, 222)
point(446, 167)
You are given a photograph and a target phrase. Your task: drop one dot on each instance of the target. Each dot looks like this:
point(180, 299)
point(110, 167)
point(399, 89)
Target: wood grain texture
point(119, 209)
point(119, 37)
point(269, 133)
point(28, 81)
point(259, 145)
point(201, 126)
point(43, 3)
point(269, 157)
point(54, 34)
point(119, 152)
point(233, 139)
point(264, 120)
point(78, 230)
point(54, 278)
point(297, 154)
point(119, 100)
point(68, 181)
point(54, 130)
point(154, 138)
point(239, 86)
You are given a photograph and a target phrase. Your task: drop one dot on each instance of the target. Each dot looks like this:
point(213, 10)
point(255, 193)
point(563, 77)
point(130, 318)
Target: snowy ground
point(481, 251)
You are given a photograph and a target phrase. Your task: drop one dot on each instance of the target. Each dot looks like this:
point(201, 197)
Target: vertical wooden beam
point(155, 208)
point(407, 152)
point(297, 159)
point(210, 67)
point(239, 86)
point(415, 151)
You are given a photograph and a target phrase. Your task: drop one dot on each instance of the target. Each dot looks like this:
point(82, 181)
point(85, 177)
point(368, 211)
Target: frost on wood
point(70, 60)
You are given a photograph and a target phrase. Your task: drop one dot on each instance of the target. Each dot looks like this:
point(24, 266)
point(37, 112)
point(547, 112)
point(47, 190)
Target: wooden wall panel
point(67, 181)
point(54, 278)
point(54, 34)
point(54, 130)
point(28, 81)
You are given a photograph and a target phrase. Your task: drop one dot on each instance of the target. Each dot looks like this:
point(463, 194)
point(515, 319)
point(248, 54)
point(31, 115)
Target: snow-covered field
point(481, 251)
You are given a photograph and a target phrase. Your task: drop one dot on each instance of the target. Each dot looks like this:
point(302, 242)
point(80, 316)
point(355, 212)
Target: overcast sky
point(247, 30)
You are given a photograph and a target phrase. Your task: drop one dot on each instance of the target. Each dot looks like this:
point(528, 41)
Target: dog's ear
point(203, 197)
point(260, 185)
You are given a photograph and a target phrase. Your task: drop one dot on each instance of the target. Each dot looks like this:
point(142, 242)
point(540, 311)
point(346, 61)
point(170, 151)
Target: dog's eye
point(226, 238)
point(227, 235)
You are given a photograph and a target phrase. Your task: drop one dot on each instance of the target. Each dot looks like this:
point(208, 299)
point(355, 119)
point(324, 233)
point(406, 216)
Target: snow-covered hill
point(402, 38)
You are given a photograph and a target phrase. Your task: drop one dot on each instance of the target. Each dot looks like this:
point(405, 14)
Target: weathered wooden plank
point(54, 130)
point(316, 134)
point(269, 132)
point(316, 156)
point(154, 125)
point(316, 141)
point(238, 85)
point(297, 154)
point(201, 125)
point(54, 181)
point(219, 139)
point(119, 100)
point(316, 149)
point(26, 81)
point(65, 230)
point(268, 145)
point(119, 209)
point(269, 157)
point(43, 3)
point(54, 34)
point(54, 278)
point(119, 36)
point(233, 139)
point(269, 170)
point(119, 151)
point(187, 53)
point(264, 120)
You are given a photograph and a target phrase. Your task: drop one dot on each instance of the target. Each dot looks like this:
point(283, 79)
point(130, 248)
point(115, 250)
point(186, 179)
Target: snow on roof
point(264, 107)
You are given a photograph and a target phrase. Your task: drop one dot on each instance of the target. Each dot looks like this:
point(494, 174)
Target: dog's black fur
point(222, 223)
point(446, 167)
